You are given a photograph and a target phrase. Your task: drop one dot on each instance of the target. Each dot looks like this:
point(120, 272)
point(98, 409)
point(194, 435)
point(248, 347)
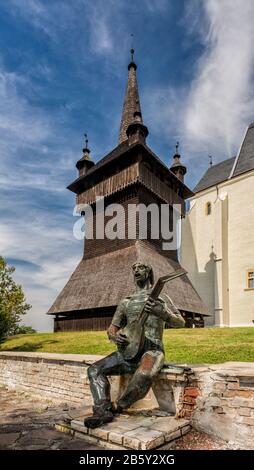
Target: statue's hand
point(115, 336)
point(153, 306)
point(121, 340)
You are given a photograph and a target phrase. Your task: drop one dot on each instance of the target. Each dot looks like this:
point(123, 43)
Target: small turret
point(178, 168)
point(84, 164)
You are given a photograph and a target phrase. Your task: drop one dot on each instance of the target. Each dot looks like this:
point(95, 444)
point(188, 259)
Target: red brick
point(191, 392)
point(189, 400)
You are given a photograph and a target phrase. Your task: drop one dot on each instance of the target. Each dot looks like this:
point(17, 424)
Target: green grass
point(194, 346)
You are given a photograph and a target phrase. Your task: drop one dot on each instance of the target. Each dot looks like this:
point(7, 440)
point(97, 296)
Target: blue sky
point(63, 70)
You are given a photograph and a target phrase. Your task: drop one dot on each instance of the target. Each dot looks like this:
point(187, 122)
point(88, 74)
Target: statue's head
point(143, 272)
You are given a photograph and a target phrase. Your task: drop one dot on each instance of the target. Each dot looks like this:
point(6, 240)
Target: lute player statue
point(148, 361)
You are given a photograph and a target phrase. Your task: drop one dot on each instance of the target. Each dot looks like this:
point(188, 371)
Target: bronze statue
point(137, 329)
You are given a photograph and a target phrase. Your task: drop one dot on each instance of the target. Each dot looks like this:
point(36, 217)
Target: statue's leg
point(150, 365)
point(113, 364)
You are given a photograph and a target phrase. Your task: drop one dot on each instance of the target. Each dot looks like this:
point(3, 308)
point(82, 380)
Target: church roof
point(215, 175)
point(103, 281)
point(245, 160)
point(231, 167)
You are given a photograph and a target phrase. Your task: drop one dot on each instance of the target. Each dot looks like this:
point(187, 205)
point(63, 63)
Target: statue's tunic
point(129, 309)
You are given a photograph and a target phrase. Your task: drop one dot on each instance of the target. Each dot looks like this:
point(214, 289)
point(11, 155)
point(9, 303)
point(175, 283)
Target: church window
point(208, 208)
point(250, 279)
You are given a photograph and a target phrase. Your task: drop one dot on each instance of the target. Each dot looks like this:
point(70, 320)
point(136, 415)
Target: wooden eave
point(114, 161)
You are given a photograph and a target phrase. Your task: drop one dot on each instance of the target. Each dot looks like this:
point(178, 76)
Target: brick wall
point(40, 374)
point(224, 402)
point(218, 399)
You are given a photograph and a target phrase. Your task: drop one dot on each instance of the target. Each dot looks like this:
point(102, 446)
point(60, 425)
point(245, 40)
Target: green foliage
point(12, 302)
point(24, 330)
point(186, 345)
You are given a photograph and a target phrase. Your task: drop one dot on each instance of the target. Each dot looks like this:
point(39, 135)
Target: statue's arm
point(118, 320)
point(166, 310)
point(171, 314)
point(111, 332)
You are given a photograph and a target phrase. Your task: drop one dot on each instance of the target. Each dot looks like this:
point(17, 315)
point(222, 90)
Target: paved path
point(28, 423)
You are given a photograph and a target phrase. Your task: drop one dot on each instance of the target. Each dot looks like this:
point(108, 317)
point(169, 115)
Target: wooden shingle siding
point(113, 184)
point(136, 173)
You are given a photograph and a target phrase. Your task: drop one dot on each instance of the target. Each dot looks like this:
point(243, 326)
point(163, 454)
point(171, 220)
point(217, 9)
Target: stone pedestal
point(132, 430)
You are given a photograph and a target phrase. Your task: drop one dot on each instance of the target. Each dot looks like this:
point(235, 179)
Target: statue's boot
point(101, 415)
point(118, 409)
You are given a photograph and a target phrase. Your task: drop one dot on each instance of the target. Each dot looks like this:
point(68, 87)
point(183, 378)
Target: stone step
point(132, 431)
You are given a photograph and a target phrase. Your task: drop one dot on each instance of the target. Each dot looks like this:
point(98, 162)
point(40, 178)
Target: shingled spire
point(131, 102)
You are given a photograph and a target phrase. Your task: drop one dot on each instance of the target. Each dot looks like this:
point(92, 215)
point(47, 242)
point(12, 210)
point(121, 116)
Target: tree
point(12, 302)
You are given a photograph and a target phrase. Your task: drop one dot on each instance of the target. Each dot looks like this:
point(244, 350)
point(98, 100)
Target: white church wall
point(218, 249)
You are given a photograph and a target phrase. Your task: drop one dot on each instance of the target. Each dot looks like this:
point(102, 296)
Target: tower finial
point(210, 159)
point(177, 148)
point(86, 141)
point(132, 48)
point(86, 150)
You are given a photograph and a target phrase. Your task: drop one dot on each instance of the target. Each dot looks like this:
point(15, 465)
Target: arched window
point(250, 279)
point(208, 208)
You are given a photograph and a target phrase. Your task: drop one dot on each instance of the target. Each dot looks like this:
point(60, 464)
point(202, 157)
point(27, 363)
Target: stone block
point(233, 385)
point(131, 442)
point(249, 403)
point(237, 402)
point(100, 433)
point(8, 439)
point(230, 410)
point(219, 386)
point(115, 437)
point(248, 421)
point(149, 438)
point(172, 435)
point(244, 411)
point(185, 429)
point(156, 442)
point(213, 401)
point(77, 425)
point(219, 410)
point(239, 393)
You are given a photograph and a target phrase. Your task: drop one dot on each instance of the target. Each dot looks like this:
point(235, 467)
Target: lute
point(134, 331)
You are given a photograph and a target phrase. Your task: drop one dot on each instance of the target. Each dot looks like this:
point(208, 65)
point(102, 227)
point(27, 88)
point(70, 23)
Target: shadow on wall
point(205, 282)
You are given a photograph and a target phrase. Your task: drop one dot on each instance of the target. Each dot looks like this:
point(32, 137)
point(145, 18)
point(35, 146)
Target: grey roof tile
point(215, 175)
point(245, 161)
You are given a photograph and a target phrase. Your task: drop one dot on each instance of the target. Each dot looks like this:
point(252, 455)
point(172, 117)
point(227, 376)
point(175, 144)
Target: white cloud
point(99, 19)
point(210, 116)
point(30, 230)
point(50, 19)
point(24, 123)
point(221, 98)
point(43, 242)
point(157, 6)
